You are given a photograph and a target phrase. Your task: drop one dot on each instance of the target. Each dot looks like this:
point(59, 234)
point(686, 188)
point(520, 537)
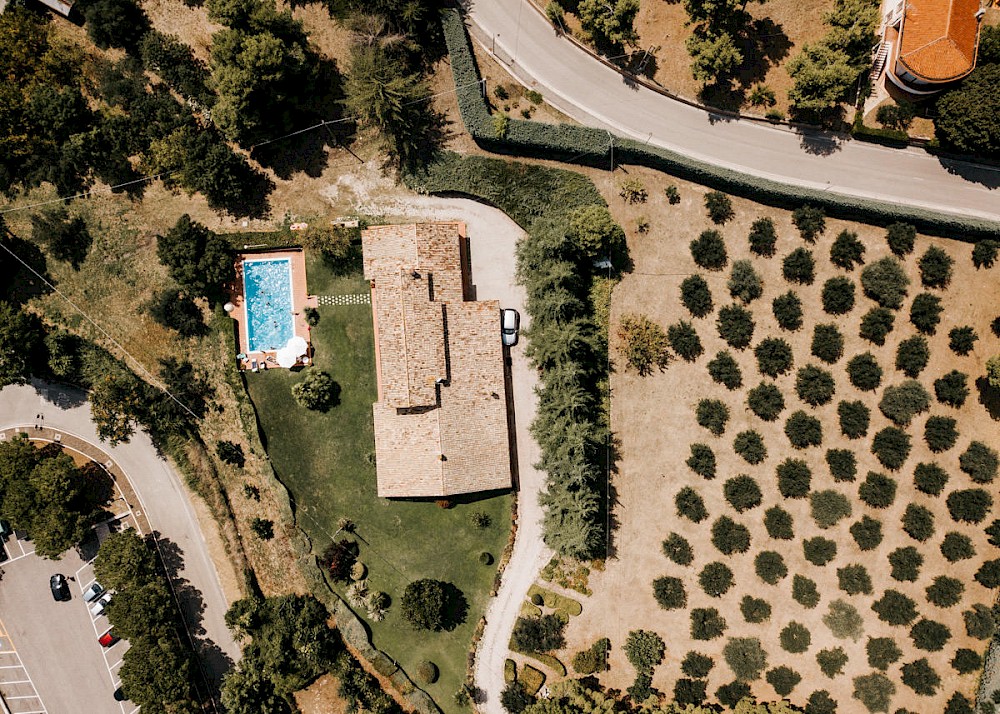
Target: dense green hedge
point(593, 146)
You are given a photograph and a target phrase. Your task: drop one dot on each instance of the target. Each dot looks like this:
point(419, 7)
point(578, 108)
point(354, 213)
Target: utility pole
point(611, 139)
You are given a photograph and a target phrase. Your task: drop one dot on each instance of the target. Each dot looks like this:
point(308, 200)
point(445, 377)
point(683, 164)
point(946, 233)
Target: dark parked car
point(59, 587)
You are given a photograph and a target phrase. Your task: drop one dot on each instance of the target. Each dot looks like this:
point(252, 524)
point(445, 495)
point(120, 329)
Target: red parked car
point(108, 638)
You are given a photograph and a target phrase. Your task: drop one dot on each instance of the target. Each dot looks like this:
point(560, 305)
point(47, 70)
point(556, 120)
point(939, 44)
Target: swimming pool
point(267, 287)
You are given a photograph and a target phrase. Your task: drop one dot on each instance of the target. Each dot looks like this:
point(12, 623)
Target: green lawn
point(324, 461)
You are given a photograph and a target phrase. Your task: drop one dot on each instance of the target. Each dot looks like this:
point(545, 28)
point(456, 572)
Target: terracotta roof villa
point(441, 415)
point(933, 42)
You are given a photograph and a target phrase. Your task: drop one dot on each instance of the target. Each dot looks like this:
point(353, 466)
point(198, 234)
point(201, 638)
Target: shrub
point(876, 324)
point(819, 551)
point(713, 415)
point(829, 507)
point(843, 466)
point(885, 282)
point(644, 650)
point(980, 462)
point(945, 591)
point(750, 446)
point(918, 522)
point(706, 623)
point(778, 523)
point(702, 460)
point(735, 326)
point(709, 250)
point(690, 505)
point(979, 622)
point(814, 385)
point(719, 207)
point(831, 662)
point(427, 672)
point(783, 679)
point(644, 344)
point(984, 253)
point(867, 533)
point(730, 537)
point(787, 311)
point(633, 191)
point(951, 389)
point(177, 311)
point(882, 651)
point(755, 610)
point(905, 564)
point(689, 692)
point(799, 267)
point(317, 391)
point(966, 661)
point(716, 579)
point(742, 493)
point(744, 283)
point(677, 549)
point(230, 453)
point(900, 237)
point(745, 657)
point(925, 312)
point(770, 567)
point(262, 528)
point(847, 251)
point(988, 574)
point(864, 372)
point(795, 638)
point(803, 430)
point(900, 403)
point(921, 677)
point(827, 343)
point(766, 401)
point(762, 237)
point(875, 691)
point(892, 447)
point(515, 698)
point(820, 702)
point(731, 694)
point(774, 356)
point(969, 505)
point(684, 341)
point(672, 194)
point(844, 620)
point(854, 579)
point(854, 419)
point(838, 296)
point(697, 665)
point(669, 593)
point(696, 296)
point(794, 478)
point(935, 268)
point(426, 604)
point(894, 608)
point(805, 592)
point(940, 433)
point(930, 478)
point(956, 547)
point(594, 659)
point(810, 221)
point(537, 634)
point(724, 370)
point(877, 490)
point(912, 355)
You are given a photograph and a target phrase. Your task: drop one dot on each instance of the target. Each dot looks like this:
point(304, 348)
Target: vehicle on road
point(59, 587)
point(5, 529)
point(97, 608)
point(510, 322)
point(93, 592)
point(108, 638)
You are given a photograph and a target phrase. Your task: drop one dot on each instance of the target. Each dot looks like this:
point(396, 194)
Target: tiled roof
point(939, 38)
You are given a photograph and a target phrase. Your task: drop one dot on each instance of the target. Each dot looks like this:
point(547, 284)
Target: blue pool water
point(267, 286)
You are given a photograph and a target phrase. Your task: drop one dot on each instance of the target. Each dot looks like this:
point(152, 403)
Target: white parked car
point(510, 322)
point(97, 608)
point(93, 592)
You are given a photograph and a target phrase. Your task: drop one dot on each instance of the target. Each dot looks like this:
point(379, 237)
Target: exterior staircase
point(879, 57)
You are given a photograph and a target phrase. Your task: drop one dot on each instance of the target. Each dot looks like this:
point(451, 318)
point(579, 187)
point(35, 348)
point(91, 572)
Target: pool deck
point(300, 300)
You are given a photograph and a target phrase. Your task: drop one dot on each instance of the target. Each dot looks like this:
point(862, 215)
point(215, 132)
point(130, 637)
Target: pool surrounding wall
point(270, 318)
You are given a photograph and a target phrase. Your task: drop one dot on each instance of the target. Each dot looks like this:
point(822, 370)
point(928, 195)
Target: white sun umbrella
point(297, 345)
point(287, 358)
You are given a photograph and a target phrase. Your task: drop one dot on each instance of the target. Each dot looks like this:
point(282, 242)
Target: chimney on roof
point(980, 12)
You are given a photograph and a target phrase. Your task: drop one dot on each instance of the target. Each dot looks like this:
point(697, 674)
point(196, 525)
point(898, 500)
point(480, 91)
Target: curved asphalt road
point(596, 95)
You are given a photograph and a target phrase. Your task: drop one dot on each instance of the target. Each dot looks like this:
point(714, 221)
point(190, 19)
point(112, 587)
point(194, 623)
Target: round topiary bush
point(690, 505)
point(810, 221)
point(819, 551)
point(787, 311)
point(744, 283)
point(891, 447)
point(684, 340)
point(930, 635)
point(847, 251)
point(783, 679)
point(895, 608)
point(831, 661)
point(742, 493)
point(735, 326)
point(940, 433)
point(901, 402)
point(750, 446)
point(838, 296)
point(980, 462)
point(952, 388)
point(716, 579)
point(945, 591)
point(885, 282)
point(876, 324)
point(762, 237)
point(778, 523)
point(843, 465)
point(912, 355)
point(794, 478)
point(755, 610)
point(724, 370)
point(961, 340)
point(766, 401)
point(969, 505)
point(925, 312)
point(799, 266)
point(844, 620)
point(702, 460)
point(677, 549)
point(905, 564)
point(864, 372)
point(713, 415)
point(867, 533)
point(805, 592)
point(929, 478)
point(918, 522)
point(935, 268)
point(427, 672)
point(877, 490)
point(900, 237)
point(537, 599)
point(854, 579)
point(803, 430)
point(696, 296)
point(706, 623)
point(854, 418)
point(709, 250)
point(956, 547)
point(814, 386)
point(827, 343)
point(745, 657)
point(730, 537)
point(966, 661)
point(774, 356)
point(875, 691)
point(669, 593)
point(486, 558)
point(882, 652)
point(829, 507)
point(770, 567)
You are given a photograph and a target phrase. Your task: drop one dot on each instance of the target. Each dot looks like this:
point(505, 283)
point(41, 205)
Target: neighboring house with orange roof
point(933, 43)
point(441, 420)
